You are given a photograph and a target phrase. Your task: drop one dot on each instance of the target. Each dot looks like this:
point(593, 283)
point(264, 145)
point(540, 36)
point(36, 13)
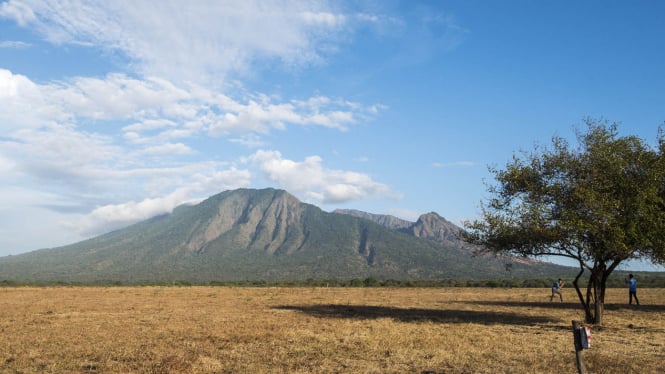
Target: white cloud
point(167, 149)
point(210, 39)
point(59, 155)
point(264, 115)
point(26, 104)
point(156, 108)
point(133, 132)
point(27, 223)
point(6, 165)
point(323, 18)
point(116, 97)
point(14, 44)
point(17, 10)
point(108, 217)
point(112, 216)
point(249, 140)
point(150, 124)
point(311, 180)
point(120, 97)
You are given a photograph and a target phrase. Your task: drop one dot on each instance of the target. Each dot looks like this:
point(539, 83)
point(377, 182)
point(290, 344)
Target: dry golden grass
point(319, 330)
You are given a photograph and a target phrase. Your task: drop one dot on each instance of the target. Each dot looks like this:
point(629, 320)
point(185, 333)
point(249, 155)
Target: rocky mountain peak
point(434, 227)
point(259, 219)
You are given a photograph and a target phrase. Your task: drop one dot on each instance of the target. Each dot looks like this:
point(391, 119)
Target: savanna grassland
point(320, 330)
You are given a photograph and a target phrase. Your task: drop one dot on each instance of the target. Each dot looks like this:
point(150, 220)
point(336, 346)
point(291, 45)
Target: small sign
point(585, 337)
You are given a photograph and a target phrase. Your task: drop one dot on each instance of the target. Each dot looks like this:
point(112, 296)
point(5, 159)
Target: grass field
point(320, 330)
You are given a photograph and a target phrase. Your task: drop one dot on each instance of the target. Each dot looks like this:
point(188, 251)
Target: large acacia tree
point(600, 203)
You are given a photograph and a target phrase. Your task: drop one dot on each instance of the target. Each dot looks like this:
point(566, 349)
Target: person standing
point(556, 290)
point(632, 289)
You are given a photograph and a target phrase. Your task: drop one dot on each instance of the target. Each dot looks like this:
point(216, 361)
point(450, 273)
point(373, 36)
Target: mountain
point(268, 234)
point(432, 226)
point(429, 226)
point(388, 221)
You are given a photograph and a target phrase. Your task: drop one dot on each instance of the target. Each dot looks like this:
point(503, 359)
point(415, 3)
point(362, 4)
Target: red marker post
point(582, 339)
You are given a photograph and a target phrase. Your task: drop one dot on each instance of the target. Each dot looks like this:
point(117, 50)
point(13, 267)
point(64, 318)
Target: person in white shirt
point(556, 290)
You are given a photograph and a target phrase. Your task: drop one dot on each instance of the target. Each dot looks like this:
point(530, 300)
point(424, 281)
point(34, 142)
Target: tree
point(600, 204)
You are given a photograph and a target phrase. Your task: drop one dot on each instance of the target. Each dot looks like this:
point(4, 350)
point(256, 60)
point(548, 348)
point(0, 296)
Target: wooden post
point(579, 358)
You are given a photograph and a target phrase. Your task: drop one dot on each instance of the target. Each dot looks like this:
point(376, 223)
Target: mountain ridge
point(267, 234)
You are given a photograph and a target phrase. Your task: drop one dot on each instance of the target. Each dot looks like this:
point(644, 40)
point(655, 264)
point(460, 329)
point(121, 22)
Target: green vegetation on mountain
point(263, 235)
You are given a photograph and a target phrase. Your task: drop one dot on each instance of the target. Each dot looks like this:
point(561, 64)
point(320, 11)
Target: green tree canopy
point(600, 204)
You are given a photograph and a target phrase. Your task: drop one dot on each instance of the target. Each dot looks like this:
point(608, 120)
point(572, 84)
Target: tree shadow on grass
point(567, 305)
point(364, 312)
point(528, 304)
point(641, 307)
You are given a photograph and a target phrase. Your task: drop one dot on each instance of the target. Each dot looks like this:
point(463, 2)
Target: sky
point(112, 112)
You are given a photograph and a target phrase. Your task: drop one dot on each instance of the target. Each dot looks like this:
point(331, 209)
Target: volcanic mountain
point(267, 234)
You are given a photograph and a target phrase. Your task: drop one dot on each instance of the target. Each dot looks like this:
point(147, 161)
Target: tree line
point(646, 280)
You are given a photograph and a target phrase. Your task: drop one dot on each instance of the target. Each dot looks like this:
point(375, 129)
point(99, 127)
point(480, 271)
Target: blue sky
point(115, 111)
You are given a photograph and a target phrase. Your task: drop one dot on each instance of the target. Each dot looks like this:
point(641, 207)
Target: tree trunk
point(588, 317)
point(599, 307)
point(598, 286)
point(595, 293)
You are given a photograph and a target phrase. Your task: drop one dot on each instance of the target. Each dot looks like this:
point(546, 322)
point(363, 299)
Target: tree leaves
point(600, 203)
